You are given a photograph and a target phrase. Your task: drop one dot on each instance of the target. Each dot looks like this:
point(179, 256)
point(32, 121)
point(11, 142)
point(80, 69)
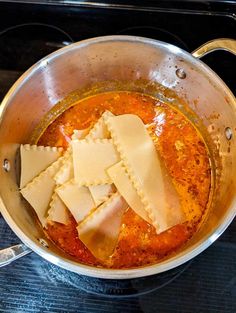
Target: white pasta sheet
point(101, 193)
point(126, 188)
point(35, 159)
point(91, 159)
point(66, 172)
point(100, 130)
point(100, 230)
point(78, 199)
point(143, 166)
point(57, 210)
point(40, 190)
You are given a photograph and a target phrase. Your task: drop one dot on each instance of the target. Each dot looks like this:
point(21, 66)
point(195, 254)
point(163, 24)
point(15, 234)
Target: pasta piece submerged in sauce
point(185, 156)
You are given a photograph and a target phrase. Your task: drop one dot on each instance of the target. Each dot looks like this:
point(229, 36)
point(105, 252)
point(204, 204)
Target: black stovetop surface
point(30, 31)
point(207, 285)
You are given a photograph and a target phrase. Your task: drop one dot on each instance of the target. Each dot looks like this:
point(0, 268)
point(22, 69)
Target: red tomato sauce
point(185, 156)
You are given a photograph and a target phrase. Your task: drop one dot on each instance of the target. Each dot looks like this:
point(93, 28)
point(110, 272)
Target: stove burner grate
point(155, 33)
point(23, 45)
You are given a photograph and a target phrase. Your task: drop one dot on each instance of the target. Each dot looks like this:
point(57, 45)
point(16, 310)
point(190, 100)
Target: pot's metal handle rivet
point(6, 165)
point(43, 242)
point(180, 73)
point(228, 133)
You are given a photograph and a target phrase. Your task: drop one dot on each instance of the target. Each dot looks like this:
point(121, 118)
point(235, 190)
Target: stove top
point(205, 285)
point(28, 32)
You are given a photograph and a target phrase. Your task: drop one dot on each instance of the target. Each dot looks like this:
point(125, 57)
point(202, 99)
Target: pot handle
point(215, 44)
point(13, 253)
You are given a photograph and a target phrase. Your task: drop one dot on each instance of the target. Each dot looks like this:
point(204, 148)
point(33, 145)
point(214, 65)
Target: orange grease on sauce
point(185, 156)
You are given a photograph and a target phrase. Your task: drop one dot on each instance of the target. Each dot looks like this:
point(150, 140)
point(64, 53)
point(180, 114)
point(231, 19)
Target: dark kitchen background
point(29, 30)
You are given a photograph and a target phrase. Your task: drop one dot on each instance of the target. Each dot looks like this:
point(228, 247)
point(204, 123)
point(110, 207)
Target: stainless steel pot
point(122, 58)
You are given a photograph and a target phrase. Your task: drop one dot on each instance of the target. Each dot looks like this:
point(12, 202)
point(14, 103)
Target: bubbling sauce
point(185, 155)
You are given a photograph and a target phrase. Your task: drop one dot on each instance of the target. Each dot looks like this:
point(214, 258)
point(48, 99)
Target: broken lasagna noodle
point(129, 189)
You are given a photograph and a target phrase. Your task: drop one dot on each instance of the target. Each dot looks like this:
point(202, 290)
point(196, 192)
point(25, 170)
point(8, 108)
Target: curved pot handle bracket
point(216, 44)
point(13, 253)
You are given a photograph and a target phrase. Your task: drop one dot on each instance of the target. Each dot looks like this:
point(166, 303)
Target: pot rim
point(165, 265)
